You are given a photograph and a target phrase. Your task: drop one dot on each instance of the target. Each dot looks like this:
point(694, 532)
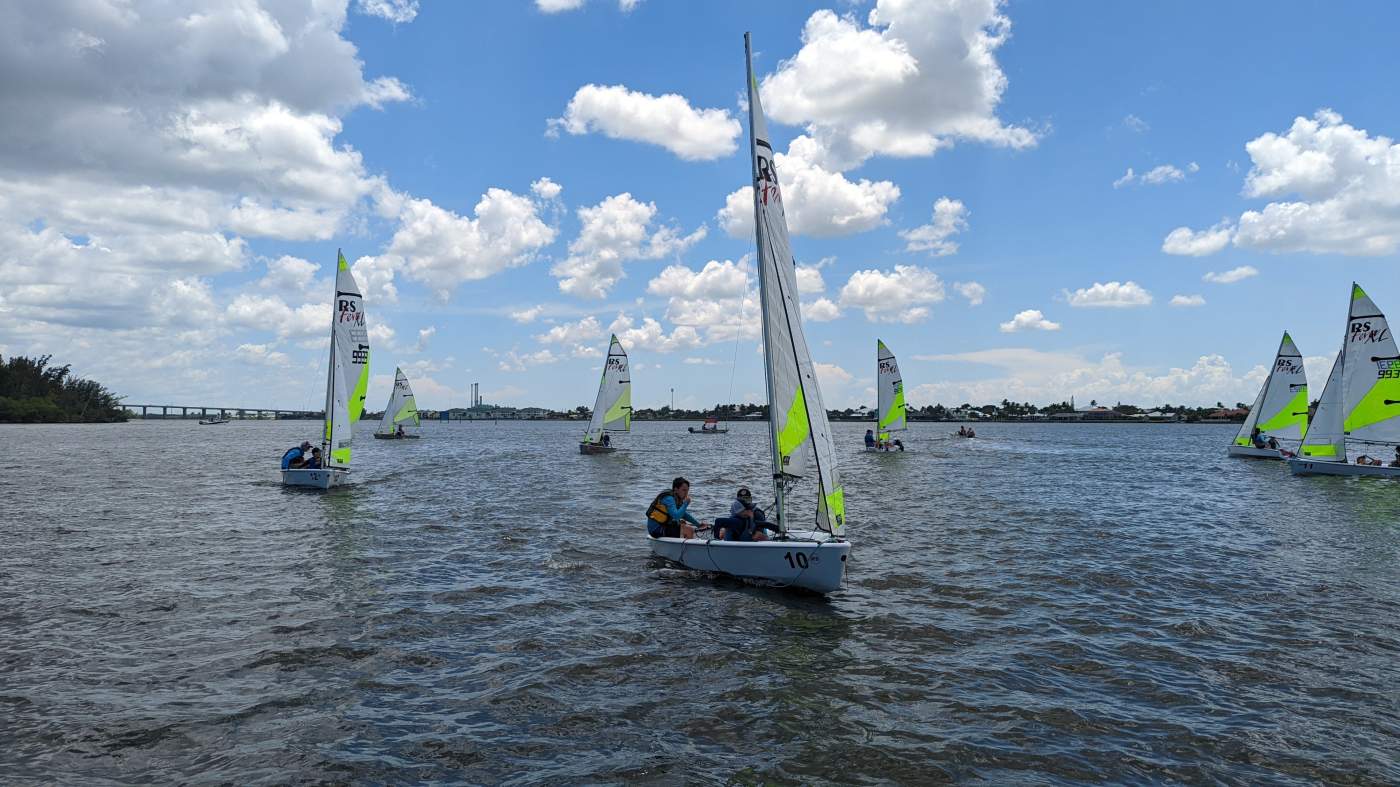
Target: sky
point(1111, 201)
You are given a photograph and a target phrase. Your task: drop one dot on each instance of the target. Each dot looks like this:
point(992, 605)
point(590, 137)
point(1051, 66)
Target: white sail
point(890, 392)
point(612, 412)
point(1370, 374)
point(349, 366)
point(799, 432)
point(1281, 409)
point(1325, 440)
point(402, 408)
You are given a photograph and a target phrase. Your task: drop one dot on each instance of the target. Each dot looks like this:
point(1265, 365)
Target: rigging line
point(734, 362)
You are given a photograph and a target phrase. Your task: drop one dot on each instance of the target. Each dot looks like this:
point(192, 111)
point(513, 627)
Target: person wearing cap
point(295, 458)
point(745, 522)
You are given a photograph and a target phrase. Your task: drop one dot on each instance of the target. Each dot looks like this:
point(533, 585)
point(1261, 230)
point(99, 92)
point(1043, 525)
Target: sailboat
point(1280, 410)
point(612, 412)
point(1361, 402)
point(889, 385)
point(401, 411)
point(347, 377)
point(711, 426)
point(802, 454)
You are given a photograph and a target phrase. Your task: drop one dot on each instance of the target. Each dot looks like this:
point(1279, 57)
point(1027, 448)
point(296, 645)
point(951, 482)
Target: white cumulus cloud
point(1231, 276)
point(396, 11)
point(616, 230)
point(1029, 320)
point(949, 218)
point(1188, 300)
point(974, 292)
point(1187, 242)
point(1109, 294)
point(902, 295)
point(668, 121)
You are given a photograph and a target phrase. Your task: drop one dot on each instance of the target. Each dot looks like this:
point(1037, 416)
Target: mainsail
point(1370, 374)
point(799, 433)
point(890, 396)
point(402, 409)
point(349, 366)
point(1325, 441)
point(613, 410)
point(1281, 409)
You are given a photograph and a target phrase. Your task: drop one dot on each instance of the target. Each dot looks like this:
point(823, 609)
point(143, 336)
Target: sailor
point(295, 457)
point(668, 517)
point(899, 444)
point(314, 463)
point(869, 439)
point(607, 441)
point(1396, 463)
point(1257, 438)
point(746, 522)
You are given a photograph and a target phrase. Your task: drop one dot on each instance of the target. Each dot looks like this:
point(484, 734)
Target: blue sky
point(514, 180)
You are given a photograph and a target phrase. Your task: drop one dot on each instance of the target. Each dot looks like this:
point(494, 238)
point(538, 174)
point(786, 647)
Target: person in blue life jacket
point(314, 463)
point(869, 439)
point(746, 521)
point(607, 441)
point(1257, 438)
point(668, 515)
point(295, 458)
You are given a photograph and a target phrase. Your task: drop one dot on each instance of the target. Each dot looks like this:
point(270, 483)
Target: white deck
point(815, 565)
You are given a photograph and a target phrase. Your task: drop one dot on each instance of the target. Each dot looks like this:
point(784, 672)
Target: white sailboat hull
point(819, 566)
point(379, 436)
point(315, 479)
point(1254, 453)
point(1310, 467)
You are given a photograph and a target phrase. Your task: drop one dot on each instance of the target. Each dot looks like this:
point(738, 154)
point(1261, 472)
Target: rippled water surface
point(1045, 604)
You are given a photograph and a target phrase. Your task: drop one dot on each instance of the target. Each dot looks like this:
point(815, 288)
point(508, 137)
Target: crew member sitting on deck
point(869, 439)
point(1257, 438)
point(607, 441)
point(295, 458)
point(314, 463)
point(667, 516)
point(746, 522)
point(1369, 461)
point(1396, 463)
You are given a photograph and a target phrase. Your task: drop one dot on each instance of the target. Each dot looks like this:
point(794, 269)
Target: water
point(1043, 605)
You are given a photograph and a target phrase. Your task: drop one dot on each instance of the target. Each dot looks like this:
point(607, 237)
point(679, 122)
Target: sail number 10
point(796, 561)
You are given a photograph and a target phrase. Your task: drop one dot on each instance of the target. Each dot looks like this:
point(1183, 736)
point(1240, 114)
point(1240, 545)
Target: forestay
point(612, 412)
point(1325, 441)
point(349, 366)
point(799, 433)
point(890, 396)
point(402, 409)
point(1281, 408)
point(1370, 374)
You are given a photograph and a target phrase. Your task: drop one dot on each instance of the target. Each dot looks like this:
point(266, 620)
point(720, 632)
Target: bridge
point(201, 412)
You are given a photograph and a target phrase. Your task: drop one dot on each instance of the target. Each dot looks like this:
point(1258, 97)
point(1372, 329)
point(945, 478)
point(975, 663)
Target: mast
point(776, 458)
point(328, 434)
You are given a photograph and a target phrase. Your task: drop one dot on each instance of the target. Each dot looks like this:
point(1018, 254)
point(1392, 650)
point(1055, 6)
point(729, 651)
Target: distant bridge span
point(189, 411)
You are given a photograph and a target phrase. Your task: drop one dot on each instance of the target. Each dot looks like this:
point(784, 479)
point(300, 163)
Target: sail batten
point(800, 436)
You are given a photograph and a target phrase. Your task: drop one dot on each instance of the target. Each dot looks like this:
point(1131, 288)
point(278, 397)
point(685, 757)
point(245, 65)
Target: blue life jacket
point(291, 455)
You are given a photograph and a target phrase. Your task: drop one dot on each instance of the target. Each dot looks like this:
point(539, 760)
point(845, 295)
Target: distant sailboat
point(799, 435)
point(711, 426)
point(401, 411)
point(890, 411)
point(612, 412)
point(1280, 410)
point(346, 380)
point(1361, 403)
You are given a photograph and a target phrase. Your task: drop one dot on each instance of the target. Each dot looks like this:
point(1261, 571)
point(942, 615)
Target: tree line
point(33, 391)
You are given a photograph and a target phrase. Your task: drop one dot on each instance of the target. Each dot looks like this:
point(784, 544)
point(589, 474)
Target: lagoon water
point(1046, 604)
